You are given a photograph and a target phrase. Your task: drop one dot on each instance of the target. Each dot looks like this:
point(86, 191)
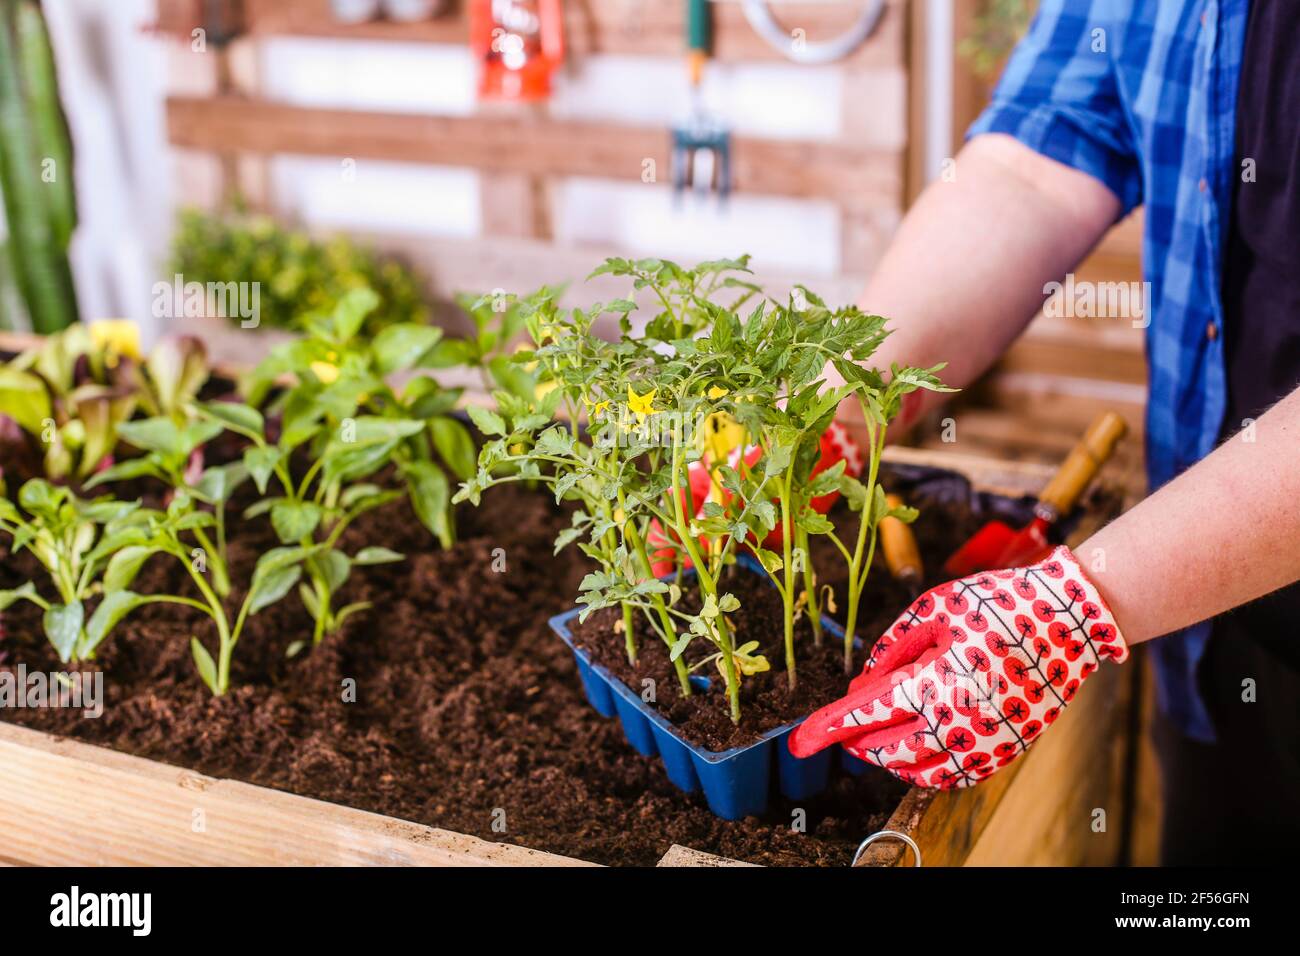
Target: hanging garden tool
point(701, 145)
point(807, 51)
point(998, 545)
point(519, 44)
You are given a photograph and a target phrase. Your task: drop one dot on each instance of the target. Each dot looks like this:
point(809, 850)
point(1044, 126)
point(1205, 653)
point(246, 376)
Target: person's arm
point(965, 273)
point(1223, 533)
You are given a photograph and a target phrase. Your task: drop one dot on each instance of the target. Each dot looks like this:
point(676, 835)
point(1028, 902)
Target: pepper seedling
point(338, 378)
point(77, 542)
point(312, 512)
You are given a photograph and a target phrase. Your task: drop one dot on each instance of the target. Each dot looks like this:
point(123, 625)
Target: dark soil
point(765, 698)
point(466, 702)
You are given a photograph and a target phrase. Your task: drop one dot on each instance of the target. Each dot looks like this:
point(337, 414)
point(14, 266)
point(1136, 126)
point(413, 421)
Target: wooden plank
point(679, 855)
point(1049, 817)
point(64, 803)
point(627, 27)
point(1148, 783)
point(524, 144)
point(515, 205)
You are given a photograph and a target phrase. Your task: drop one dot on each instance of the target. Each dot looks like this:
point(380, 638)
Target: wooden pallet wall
point(221, 124)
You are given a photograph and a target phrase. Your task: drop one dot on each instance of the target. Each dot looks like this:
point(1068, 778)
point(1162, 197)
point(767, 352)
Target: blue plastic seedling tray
point(736, 782)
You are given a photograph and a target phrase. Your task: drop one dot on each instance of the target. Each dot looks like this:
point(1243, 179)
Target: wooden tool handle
point(899, 544)
point(1078, 470)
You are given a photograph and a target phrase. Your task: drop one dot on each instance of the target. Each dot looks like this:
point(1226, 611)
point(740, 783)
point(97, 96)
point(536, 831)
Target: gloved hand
point(968, 676)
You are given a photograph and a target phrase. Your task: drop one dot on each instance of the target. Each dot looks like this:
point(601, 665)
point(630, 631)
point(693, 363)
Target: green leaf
point(351, 312)
point(206, 666)
point(239, 418)
point(25, 398)
point(334, 566)
point(348, 610)
point(488, 421)
point(854, 492)
point(39, 497)
point(110, 612)
point(377, 555)
point(216, 484)
point(152, 434)
point(309, 600)
point(371, 429)
point(455, 446)
point(271, 587)
point(295, 520)
point(679, 646)
point(431, 499)
point(402, 345)
point(124, 566)
point(770, 560)
point(26, 592)
point(122, 471)
point(62, 623)
point(260, 462)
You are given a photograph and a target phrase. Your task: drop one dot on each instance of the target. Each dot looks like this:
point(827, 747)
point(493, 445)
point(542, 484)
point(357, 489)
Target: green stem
point(787, 556)
point(810, 587)
point(858, 569)
point(665, 619)
point(708, 585)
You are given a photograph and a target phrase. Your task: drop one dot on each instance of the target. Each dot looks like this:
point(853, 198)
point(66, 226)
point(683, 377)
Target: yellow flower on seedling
point(116, 338)
point(327, 372)
point(721, 435)
point(641, 405)
point(595, 409)
point(717, 391)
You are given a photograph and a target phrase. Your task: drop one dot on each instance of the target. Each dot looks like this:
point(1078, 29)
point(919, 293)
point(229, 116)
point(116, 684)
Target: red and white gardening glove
point(835, 446)
point(968, 676)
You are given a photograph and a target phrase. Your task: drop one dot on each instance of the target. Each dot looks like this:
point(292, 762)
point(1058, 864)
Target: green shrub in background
point(299, 276)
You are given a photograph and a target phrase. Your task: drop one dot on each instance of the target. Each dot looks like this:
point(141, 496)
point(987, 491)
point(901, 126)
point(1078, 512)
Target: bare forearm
point(1221, 534)
point(966, 271)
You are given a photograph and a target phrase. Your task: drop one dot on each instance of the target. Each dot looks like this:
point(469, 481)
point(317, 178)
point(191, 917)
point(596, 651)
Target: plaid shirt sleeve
point(1060, 98)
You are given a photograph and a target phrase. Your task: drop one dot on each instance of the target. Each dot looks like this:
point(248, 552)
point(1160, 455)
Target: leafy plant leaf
point(430, 498)
point(488, 421)
point(294, 520)
point(110, 612)
point(63, 623)
point(206, 665)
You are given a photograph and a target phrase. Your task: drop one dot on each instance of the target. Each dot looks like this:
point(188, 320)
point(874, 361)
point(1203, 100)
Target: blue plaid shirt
point(1142, 94)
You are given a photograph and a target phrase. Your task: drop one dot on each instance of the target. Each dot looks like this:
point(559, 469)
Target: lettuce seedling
point(70, 394)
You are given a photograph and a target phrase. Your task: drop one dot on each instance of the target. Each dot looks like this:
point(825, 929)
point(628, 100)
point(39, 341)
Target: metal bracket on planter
point(882, 834)
point(823, 51)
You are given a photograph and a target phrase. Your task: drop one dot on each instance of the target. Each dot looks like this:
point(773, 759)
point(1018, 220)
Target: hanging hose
point(824, 51)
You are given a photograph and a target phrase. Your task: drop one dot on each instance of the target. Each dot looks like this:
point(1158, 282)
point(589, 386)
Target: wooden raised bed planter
point(68, 803)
